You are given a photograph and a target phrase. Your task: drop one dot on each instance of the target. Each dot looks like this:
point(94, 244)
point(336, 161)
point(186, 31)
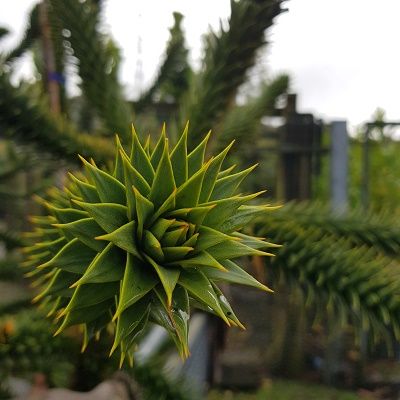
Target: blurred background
point(308, 89)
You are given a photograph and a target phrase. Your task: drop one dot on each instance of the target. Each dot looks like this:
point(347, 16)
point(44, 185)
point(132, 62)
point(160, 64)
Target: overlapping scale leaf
point(144, 242)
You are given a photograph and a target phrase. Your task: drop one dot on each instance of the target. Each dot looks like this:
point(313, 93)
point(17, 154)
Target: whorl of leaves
point(144, 242)
point(29, 122)
point(351, 283)
point(100, 87)
point(229, 55)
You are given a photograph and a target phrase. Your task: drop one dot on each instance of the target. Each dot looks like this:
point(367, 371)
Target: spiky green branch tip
point(144, 242)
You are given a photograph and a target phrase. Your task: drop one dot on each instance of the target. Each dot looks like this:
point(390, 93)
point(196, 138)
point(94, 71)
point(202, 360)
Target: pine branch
point(32, 33)
point(173, 75)
point(21, 165)
point(13, 165)
point(348, 282)
point(378, 231)
point(3, 32)
point(10, 267)
point(98, 84)
point(27, 121)
point(10, 239)
point(243, 122)
point(11, 194)
point(230, 54)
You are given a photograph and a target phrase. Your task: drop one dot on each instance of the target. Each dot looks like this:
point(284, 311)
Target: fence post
point(339, 204)
point(365, 169)
point(339, 166)
point(299, 146)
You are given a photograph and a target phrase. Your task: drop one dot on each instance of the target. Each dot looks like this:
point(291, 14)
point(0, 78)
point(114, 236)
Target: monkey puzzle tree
point(326, 257)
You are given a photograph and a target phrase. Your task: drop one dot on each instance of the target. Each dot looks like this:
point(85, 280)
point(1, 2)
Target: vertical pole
point(339, 166)
point(53, 89)
point(339, 204)
point(296, 154)
point(365, 170)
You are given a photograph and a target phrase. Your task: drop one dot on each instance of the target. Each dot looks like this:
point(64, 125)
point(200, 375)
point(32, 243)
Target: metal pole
point(339, 204)
point(365, 170)
point(339, 166)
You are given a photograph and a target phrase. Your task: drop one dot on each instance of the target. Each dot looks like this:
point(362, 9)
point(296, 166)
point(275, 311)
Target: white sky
point(342, 55)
